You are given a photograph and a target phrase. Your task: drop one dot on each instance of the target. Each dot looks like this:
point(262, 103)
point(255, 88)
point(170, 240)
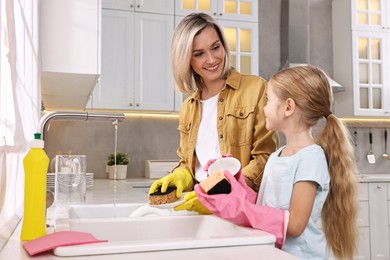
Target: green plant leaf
point(121, 159)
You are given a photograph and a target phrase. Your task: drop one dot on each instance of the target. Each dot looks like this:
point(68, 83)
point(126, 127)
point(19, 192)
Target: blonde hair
point(309, 87)
point(187, 81)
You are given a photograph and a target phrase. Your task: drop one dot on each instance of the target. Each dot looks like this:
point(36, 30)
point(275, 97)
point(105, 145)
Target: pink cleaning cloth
point(56, 239)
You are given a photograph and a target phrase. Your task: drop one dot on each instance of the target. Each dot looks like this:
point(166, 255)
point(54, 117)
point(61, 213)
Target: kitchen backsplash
point(362, 148)
point(142, 138)
point(157, 138)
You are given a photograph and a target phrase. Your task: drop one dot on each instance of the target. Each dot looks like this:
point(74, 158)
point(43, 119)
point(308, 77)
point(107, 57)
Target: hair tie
point(328, 115)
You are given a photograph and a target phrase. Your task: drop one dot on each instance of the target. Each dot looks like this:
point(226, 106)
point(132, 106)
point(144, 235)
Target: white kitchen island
point(135, 191)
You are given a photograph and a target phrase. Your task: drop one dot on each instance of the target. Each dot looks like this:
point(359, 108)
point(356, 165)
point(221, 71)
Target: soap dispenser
point(35, 164)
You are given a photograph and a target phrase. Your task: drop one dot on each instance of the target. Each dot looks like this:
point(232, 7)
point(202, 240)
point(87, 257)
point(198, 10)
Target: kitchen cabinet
point(362, 28)
point(238, 10)
point(373, 221)
point(379, 224)
point(136, 72)
point(148, 6)
point(239, 19)
point(69, 47)
point(363, 223)
point(136, 38)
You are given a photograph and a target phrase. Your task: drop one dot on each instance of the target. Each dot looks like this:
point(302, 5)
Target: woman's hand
point(180, 178)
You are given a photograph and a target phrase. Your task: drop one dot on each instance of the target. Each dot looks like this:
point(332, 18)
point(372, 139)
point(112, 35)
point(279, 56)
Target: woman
point(224, 111)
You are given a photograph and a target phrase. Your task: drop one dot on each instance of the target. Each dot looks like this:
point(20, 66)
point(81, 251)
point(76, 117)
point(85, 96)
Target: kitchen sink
point(155, 232)
point(120, 210)
point(102, 210)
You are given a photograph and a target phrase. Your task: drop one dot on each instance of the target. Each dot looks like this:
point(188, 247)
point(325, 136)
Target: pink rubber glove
point(237, 208)
point(251, 194)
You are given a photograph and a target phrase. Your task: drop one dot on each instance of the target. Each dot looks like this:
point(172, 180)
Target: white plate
point(228, 163)
point(171, 205)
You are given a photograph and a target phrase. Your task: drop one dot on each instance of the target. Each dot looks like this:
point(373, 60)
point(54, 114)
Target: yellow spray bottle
point(35, 164)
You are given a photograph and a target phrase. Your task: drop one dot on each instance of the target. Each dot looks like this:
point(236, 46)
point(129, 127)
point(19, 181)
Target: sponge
point(158, 197)
point(216, 183)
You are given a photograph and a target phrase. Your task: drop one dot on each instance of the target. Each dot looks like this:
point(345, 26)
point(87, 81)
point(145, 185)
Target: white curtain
point(19, 99)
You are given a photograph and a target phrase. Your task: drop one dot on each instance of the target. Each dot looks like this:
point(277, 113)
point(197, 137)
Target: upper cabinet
point(136, 73)
point(136, 46)
point(370, 15)
point(371, 39)
point(239, 19)
point(148, 6)
point(236, 10)
point(70, 51)
point(361, 43)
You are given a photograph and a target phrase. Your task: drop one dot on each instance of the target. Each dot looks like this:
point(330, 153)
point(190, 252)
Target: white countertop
point(135, 191)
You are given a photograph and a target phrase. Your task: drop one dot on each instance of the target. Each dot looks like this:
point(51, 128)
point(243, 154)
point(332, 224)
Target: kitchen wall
point(141, 137)
point(158, 138)
point(363, 147)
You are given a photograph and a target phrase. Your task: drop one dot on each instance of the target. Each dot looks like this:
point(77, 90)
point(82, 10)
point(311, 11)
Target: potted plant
point(117, 166)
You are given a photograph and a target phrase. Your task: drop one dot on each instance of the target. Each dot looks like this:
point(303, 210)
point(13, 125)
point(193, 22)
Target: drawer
point(363, 218)
point(388, 208)
point(363, 191)
point(388, 191)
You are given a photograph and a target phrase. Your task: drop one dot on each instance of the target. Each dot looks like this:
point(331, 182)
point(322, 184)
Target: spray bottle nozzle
point(37, 136)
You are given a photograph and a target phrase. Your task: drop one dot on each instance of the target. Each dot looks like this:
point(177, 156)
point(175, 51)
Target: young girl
point(304, 180)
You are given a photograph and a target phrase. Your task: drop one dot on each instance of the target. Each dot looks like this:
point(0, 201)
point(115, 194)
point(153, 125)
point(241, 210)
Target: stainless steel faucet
point(115, 118)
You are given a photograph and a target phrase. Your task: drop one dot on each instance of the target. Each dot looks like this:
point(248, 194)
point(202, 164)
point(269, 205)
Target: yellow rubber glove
point(181, 178)
point(192, 204)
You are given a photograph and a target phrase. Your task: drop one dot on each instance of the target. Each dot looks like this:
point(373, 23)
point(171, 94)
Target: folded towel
point(56, 239)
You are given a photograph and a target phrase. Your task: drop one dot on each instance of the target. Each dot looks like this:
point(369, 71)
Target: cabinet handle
point(378, 187)
point(131, 6)
point(131, 104)
point(220, 14)
point(214, 13)
point(138, 6)
point(137, 105)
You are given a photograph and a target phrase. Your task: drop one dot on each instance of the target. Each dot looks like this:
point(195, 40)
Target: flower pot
point(121, 172)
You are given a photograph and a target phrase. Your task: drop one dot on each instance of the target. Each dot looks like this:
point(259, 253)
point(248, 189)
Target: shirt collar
point(232, 81)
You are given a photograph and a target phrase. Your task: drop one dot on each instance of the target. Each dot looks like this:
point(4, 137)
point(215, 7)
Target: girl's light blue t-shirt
point(280, 175)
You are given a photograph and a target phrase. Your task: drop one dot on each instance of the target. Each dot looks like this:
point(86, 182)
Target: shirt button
point(220, 136)
point(220, 118)
point(241, 114)
point(221, 100)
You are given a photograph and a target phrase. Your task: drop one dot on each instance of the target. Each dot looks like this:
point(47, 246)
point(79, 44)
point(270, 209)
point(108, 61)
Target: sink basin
point(94, 211)
point(155, 233)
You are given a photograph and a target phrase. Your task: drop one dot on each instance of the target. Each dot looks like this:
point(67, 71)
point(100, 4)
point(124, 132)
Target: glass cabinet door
point(242, 10)
point(237, 10)
point(370, 50)
point(242, 39)
point(369, 15)
point(185, 7)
